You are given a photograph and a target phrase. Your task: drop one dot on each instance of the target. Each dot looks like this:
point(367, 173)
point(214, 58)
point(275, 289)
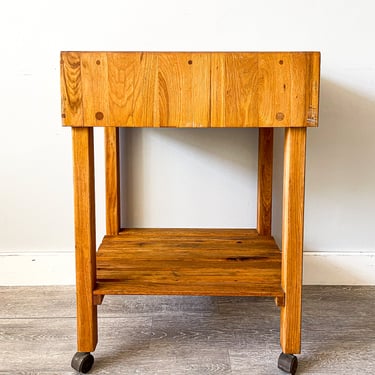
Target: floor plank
point(186, 335)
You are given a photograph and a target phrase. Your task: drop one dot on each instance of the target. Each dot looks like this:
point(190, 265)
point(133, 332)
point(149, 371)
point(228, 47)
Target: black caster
point(288, 363)
point(82, 362)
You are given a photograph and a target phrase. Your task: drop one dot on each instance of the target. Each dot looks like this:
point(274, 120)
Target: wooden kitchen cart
point(190, 90)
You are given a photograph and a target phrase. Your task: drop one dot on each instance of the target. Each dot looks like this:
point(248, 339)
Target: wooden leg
point(265, 161)
point(112, 174)
point(84, 214)
point(292, 239)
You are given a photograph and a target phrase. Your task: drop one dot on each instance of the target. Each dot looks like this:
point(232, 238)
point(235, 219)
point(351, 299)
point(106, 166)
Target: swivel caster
point(82, 362)
point(288, 363)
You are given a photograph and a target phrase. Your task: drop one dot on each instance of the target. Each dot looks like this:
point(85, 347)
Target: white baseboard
point(339, 268)
point(28, 269)
point(320, 268)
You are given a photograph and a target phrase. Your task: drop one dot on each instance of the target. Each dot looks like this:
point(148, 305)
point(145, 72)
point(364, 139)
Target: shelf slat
point(189, 262)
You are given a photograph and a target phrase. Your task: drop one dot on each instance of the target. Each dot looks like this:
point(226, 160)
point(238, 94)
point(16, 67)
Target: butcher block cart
point(262, 90)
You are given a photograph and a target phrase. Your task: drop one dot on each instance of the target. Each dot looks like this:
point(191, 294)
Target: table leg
point(265, 162)
point(85, 247)
point(112, 178)
point(292, 238)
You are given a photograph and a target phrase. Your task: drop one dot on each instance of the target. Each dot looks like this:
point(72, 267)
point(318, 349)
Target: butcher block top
point(190, 89)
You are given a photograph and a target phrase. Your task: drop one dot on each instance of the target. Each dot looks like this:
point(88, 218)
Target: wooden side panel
point(300, 95)
point(314, 88)
point(121, 68)
point(234, 89)
point(218, 91)
point(201, 95)
point(84, 217)
point(120, 89)
point(292, 238)
point(277, 89)
point(274, 90)
point(241, 81)
point(174, 90)
point(71, 88)
point(184, 89)
point(145, 87)
point(112, 180)
point(95, 89)
point(305, 89)
point(190, 89)
point(265, 162)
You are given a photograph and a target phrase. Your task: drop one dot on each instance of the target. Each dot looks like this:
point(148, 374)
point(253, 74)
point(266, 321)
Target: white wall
point(36, 210)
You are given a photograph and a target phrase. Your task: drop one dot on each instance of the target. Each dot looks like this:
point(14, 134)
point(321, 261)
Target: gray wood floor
point(186, 335)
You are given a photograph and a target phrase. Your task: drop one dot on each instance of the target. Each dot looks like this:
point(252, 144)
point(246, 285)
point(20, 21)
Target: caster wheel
point(288, 363)
point(82, 362)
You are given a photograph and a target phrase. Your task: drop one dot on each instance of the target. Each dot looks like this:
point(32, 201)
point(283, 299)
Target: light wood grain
point(292, 238)
point(234, 88)
point(95, 90)
point(190, 89)
point(71, 89)
point(198, 234)
point(191, 262)
point(305, 89)
point(112, 180)
point(85, 247)
point(274, 89)
point(133, 87)
point(183, 88)
point(264, 199)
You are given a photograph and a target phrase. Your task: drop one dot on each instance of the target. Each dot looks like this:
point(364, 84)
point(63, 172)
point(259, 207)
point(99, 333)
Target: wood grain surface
point(264, 194)
point(292, 238)
point(190, 262)
point(190, 89)
point(186, 335)
point(112, 180)
point(85, 240)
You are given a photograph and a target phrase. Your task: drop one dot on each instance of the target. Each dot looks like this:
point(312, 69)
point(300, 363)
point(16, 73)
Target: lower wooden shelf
point(216, 262)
